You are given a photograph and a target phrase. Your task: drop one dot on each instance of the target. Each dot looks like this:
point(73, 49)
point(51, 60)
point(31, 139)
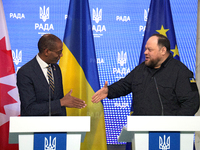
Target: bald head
point(48, 41)
point(50, 48)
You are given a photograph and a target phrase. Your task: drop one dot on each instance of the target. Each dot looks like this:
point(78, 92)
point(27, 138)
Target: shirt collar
point(42, 63)
point(164, 64)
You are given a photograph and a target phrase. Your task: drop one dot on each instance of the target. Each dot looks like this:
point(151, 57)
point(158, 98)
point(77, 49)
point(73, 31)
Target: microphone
point(159, 96)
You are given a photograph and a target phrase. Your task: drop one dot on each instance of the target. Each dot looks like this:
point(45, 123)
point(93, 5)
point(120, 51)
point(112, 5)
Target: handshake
point(73, 102)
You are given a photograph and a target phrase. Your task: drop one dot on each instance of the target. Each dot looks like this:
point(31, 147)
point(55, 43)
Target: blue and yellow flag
point(79, 72)
point(159, 22)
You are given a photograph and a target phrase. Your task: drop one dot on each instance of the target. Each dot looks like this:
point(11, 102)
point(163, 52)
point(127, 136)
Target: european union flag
point(159, 21)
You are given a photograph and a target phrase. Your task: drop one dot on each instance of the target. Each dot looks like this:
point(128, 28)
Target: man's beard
point(151, 63)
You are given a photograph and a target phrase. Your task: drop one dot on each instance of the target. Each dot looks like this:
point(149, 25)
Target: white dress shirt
point(43, 66)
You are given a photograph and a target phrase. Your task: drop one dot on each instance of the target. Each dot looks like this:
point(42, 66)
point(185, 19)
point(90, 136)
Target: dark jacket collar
point(164, 64)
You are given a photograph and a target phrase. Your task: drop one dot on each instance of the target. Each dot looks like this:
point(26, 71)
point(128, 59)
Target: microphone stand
point(162, 113)
point(49, 100)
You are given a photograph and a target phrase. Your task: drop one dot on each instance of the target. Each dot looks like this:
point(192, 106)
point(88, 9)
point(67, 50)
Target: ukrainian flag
point(79, 72)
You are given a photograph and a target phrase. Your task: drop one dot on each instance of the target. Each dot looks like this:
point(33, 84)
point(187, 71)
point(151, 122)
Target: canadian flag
point(9, 97)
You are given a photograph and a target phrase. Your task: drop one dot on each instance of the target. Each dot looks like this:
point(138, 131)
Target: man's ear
point(163, 50)
point(46, 52)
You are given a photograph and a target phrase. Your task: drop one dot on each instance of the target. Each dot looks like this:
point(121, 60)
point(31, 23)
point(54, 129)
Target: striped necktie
point(50, 77)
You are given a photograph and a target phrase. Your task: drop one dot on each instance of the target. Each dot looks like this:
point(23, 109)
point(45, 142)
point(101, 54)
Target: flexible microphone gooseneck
point(159, 96)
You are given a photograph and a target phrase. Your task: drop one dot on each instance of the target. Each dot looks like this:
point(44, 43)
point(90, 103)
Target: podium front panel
point(138, 127)
point(22, 130)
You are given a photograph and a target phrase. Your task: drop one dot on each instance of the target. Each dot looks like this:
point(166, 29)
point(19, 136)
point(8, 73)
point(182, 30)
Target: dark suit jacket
point(34, 90)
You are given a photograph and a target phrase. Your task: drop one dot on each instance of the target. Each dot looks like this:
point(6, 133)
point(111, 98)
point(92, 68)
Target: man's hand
point(100, 94)
point(72, 102)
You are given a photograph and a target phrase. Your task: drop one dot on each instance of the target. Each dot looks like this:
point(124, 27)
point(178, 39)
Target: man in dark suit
point(33, 82)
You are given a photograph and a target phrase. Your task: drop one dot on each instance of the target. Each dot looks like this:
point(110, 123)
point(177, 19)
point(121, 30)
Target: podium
point(138, 128)
point(22, 129)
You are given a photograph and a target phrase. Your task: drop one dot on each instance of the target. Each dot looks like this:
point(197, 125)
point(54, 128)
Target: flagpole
point(197, 134)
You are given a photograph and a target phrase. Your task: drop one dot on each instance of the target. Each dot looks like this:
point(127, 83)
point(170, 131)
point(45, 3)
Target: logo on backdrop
point(123, 18)
point(121, 105)
point(143, 27)
point(100, 61)
point(164, 144)
point(97, 15)
point(17, 15)
point(97, 28)
point(44, 15)
point(146, 14)
point(121, 71)
point(50, 145)
point(122, 58)
point(17, 56)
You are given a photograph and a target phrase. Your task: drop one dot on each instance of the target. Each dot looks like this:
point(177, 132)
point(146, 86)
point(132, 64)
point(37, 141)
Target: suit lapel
point(40, 75)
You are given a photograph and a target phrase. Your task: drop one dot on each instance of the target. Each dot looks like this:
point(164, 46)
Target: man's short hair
point(48, 41)
point(163, 41)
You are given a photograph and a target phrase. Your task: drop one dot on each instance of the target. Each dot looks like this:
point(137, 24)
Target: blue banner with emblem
point(50, 141)
point(164, 140)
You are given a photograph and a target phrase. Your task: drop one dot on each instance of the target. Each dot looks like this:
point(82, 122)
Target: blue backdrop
point(118, 28)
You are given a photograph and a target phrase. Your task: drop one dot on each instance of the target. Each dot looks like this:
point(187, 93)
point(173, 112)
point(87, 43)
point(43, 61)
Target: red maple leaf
point(5, 98)
point(6, 68)
point(6, 61)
